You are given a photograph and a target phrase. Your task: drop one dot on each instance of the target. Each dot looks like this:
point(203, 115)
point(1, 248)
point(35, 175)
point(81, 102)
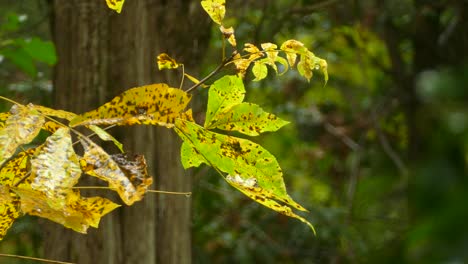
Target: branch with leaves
point(39, 178)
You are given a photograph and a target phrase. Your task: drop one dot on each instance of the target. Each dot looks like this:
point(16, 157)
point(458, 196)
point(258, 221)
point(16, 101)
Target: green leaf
point(190, 157)
point(39, 50)
point(259, 70)
point(247, 118)
point(224, 93)
point(236, 156)
point(21, 59)
point(216, 9)
point(104, 135)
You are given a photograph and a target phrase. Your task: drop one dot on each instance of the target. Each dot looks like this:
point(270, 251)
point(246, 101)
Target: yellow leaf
point(228, 34)
point(215, 8)
point(128, 176)
point(55, 168)
point(155, 104)
point(255, 53)
point(166, 62)
point(241, 65)
point(3, 118)
point(9, 210)
point(21, 127)
point(250, 188)
point(53, 112)
point(115, 5)
point(78, 213)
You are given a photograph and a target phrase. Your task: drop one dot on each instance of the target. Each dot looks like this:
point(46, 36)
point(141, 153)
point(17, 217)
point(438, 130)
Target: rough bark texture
point(101, 54)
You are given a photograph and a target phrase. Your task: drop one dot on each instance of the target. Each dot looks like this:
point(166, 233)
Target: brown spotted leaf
point(21, 127)
point(3, 118)
point(78, 213)
point(251, 189)
point(55, 168)
point(228, 34)
point(155, 104)
point(12, 172)
point(224, 94)
point(127, 175)
point(166, 62)
point(235, 156)
point(54, 112)
point(247, 118)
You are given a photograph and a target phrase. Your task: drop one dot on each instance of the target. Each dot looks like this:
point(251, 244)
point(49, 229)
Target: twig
point(36, 259)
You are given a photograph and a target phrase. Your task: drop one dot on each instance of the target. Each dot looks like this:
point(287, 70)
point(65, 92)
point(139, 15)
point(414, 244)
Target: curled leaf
point(215, 8)
point(104, 135)
point(155, 104)
point(55, 168)
point(166, 62)
point(259, 70)
point(228, 34)
point(21, 127)
point(115, 5)
point(127, 175)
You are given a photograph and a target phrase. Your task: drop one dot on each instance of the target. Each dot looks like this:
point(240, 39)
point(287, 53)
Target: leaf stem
point(215, 71)
point(150, 191)
point(36, 259)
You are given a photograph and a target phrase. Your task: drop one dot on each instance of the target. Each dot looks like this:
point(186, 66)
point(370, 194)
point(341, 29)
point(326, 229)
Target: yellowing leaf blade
point(236, 156)
point(166, 62)
point(247, 118)
point(216, 9)
point(104, 135)
point(115, 5)
point(21, 127)
point(55, 168)
point(155, 104)
point(9, 210)
point(260, 71)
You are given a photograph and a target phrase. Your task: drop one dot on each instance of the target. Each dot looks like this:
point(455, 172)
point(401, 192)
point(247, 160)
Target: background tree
point(100, 55)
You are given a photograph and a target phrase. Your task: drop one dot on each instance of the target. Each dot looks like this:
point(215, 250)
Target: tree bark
point(101, 54)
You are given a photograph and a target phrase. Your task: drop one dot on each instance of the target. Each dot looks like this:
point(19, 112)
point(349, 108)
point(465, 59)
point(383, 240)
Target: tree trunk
point(101, 54)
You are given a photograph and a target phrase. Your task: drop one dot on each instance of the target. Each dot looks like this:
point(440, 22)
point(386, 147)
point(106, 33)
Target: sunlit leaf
point(21, 127)
point(250, 188)
point(247, 118)
point(215, 8)
point(127, 175)
point(190, 157)
point(12, 172)
point(51, 126)
point(55, 168)
point(260, 71)
point(78, 213)
point(224, 93)
point(104, 135)
point(241, 65)
point(304, 67)
point(115, 5)
point(54, 112)
point(3, 118)
point(254, 52)
point(155, 104)
point(228, 34)
point(236, 156)
point(283, 62)
point(166, 62)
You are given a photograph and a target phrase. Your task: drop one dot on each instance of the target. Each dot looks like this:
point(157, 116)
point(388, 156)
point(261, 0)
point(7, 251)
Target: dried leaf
point(78, 213)
point(128, 176)
point(115, 5)
point(247, 118)
point(215, 8)
point(241, 65)
point(235, 156)
point(21, 127)
point(166, 62)
point(228, 34)
point(55, 168)
point(155, 104)
point(224, 93)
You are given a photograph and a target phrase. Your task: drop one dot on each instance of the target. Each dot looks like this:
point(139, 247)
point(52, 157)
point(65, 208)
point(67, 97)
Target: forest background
point(379, 155)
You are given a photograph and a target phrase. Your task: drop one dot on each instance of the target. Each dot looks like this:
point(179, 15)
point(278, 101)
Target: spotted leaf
point(127, 175)
point(250, 188)
point(215, 8)
point(166, 62)
point(115, 5)
point(78, 213)
point(155, 104)
point(21, 127)
point(235, 156)
point(224, 93)
point(247, 118)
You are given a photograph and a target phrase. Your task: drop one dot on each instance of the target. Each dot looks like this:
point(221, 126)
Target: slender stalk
point(36, 259)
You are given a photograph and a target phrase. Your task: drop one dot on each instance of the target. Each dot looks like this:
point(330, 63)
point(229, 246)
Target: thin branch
point(36, 259)
point(349, 142)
